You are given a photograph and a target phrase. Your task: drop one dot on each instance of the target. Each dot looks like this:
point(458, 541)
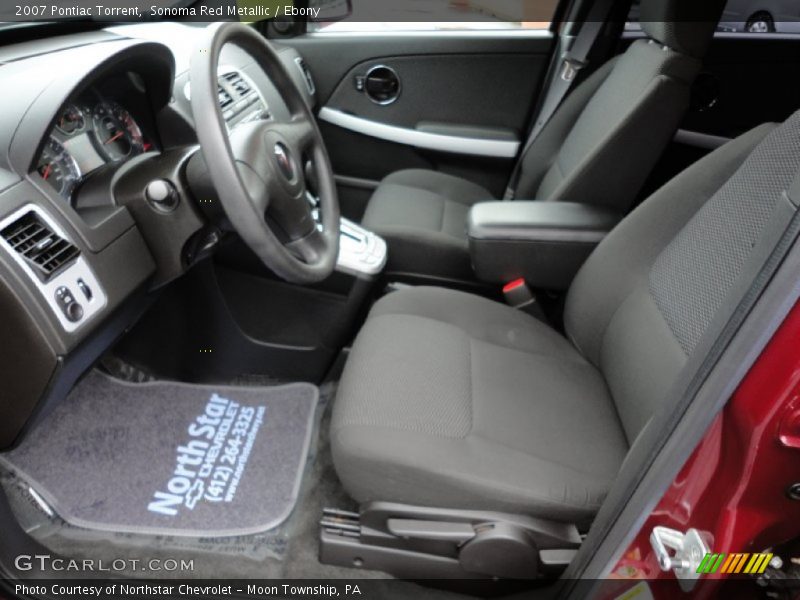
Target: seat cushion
point(452, 400)
point(422, 215)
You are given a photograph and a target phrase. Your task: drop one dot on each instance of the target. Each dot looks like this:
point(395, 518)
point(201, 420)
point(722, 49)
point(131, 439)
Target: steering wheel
point(258, 169)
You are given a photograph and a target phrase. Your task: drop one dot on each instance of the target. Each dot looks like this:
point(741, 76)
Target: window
point(748, 16)
point(441, 15)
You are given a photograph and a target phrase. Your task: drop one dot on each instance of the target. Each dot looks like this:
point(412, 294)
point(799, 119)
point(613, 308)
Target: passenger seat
point(598, 148)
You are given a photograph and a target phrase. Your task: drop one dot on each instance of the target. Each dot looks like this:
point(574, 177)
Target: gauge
point(71, 120)
point(117, 133)
point(58, 168)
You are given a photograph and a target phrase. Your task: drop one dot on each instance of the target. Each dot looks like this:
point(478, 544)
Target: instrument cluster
point(89, 133)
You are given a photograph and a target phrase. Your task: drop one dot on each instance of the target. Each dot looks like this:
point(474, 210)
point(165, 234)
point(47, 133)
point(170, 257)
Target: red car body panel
point(734, 486)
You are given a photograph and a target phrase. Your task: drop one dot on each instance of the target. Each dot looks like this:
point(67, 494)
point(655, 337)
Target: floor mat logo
point(210, 465)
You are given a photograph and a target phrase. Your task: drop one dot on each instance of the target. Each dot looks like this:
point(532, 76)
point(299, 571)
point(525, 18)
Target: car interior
point(314, 305)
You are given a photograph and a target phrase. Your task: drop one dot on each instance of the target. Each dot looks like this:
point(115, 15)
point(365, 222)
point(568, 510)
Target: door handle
point(381, 84)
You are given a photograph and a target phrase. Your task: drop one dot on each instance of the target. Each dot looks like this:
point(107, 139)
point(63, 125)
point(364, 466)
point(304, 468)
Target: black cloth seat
point(454, 401)
point(422, 215)
point(598, 148)
point(446, 390)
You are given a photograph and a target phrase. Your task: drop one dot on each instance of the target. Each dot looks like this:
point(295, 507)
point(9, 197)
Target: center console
point(544, 243)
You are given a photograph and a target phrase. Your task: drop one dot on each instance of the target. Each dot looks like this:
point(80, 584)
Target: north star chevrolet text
point(183, 590)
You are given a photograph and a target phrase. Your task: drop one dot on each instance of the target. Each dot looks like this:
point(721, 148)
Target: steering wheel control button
point(68, 305)
point(285, 162)
point(161, 195)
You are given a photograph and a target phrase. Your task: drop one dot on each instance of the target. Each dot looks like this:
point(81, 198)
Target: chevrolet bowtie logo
point(734, 563)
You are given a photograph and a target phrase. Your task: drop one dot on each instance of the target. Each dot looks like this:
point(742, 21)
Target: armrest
point(543, 242)
point(469, 131)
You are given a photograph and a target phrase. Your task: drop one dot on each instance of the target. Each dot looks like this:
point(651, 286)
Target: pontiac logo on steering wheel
point(284, 160)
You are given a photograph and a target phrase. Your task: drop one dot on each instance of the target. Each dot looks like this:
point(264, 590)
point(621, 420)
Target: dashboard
point(94, 120)
point(111, 122)
point(94, 130)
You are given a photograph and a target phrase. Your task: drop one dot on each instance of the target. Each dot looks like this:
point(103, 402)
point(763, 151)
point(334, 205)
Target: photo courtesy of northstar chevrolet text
point(388, 299)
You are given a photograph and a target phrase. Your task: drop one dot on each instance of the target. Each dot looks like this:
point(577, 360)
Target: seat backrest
point(603, 142)
point(663, 284)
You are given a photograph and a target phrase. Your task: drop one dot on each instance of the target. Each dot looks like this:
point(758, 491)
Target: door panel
point(456, 89)
point(463, 89)
point(332, 55)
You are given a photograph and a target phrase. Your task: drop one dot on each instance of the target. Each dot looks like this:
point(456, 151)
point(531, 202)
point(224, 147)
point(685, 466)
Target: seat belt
point(573, 60)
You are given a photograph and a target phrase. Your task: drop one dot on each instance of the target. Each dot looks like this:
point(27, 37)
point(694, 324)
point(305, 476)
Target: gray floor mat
point(288, 552)
point(171, 459)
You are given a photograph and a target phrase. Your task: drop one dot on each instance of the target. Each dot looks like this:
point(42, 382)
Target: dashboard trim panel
point(68, 278)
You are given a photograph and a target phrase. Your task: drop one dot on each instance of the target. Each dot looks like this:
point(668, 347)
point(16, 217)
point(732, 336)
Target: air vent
point(237, 82)
point(306, 72)
point(45, 251)
point(225, 99)
point(242, 102)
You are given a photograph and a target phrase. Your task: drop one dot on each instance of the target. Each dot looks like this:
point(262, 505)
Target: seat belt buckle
point(518, 295)
point(570, 68)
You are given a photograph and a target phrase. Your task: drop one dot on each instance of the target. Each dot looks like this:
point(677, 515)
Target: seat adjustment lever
point(441, 543)
point(431, 530)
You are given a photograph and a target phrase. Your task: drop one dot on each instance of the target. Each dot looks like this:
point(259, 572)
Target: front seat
point(450, 400)
point(598, 148)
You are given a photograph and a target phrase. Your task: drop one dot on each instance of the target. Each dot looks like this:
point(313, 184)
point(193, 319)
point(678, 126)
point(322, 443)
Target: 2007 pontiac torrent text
point(63, 10)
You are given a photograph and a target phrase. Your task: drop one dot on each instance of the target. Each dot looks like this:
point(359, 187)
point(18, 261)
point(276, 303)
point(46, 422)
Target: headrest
point(686, 26)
